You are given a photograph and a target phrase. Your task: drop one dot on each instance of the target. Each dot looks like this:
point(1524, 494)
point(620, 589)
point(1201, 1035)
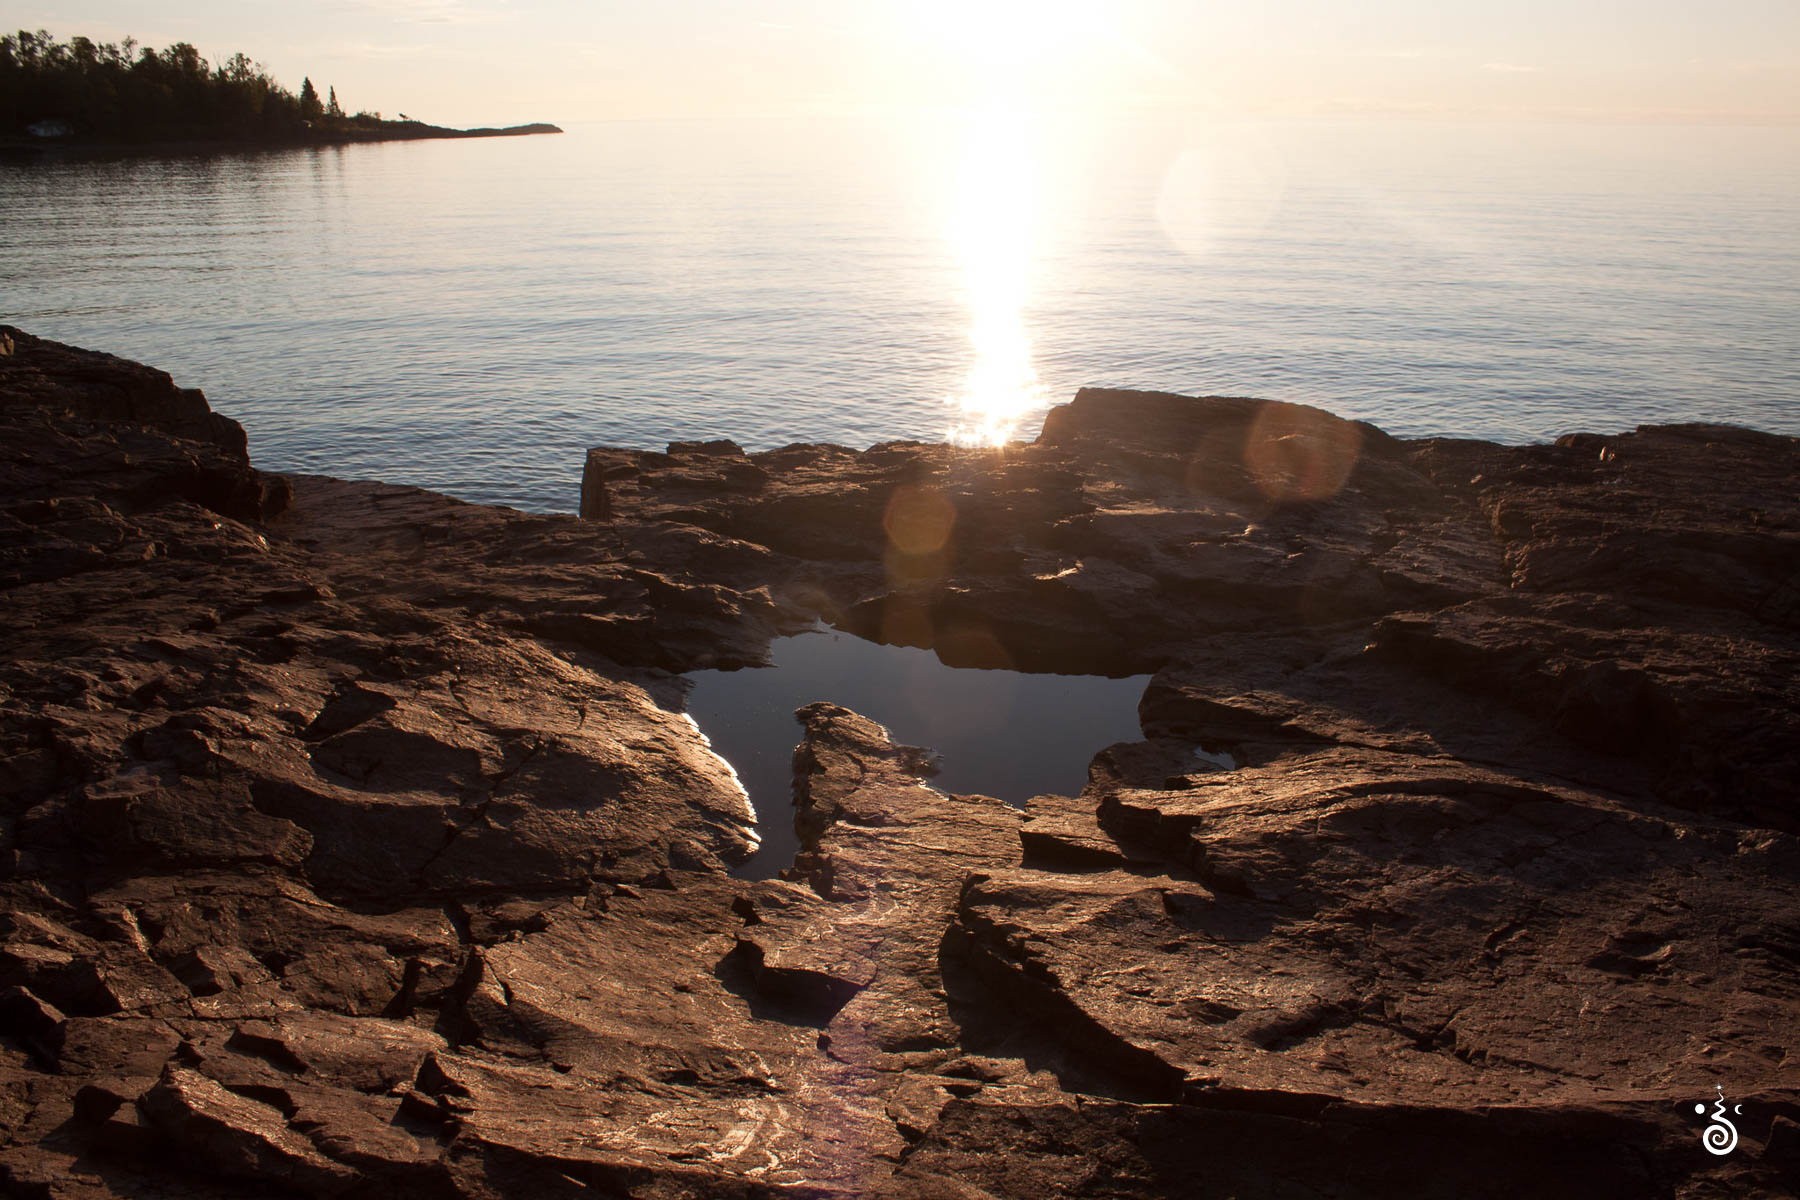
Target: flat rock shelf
point(353, 842)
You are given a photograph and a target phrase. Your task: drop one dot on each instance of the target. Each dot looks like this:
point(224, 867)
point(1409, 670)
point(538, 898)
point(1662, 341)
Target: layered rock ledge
point(352, 841)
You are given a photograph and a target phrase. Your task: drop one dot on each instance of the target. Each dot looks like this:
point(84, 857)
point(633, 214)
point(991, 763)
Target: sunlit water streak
point(998, 206)
point(471, 316)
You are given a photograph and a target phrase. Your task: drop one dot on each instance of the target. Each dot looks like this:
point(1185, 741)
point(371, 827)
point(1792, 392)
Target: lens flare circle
point(1296, 453)
point(1223, 188)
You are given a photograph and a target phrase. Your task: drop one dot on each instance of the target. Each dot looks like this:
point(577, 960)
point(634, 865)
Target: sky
point(494, 62)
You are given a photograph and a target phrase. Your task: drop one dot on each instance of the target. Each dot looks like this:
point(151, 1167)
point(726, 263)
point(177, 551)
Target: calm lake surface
point(470, 316)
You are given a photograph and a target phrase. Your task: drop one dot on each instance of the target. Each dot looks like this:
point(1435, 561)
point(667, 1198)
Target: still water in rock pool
point(1000, 733)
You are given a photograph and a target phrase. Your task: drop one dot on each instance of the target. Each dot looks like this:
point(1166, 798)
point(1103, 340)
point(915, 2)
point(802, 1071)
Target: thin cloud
point(385, 53)
point(429, 12)
point(1410, 52)
point(1508, 68)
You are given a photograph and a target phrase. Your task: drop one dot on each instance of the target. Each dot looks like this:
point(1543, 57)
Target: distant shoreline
point(388, 131)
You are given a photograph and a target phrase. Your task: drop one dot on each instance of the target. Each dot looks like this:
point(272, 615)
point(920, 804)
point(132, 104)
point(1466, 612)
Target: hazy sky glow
point(502, 61)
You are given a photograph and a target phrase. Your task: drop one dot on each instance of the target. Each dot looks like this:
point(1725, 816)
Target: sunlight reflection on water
point(997, 208)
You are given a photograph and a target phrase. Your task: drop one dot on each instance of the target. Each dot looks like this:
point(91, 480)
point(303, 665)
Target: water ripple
point(471, 316)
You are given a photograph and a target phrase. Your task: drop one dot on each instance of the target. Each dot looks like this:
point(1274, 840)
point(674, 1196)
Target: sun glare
point(1012, 58)
point(994, 229)
point(998, 33)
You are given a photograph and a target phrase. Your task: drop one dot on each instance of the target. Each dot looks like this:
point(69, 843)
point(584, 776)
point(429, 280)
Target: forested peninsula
point(85, 94)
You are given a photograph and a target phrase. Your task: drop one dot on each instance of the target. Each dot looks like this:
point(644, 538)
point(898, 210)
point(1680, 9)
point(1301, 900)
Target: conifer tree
point(310, 108)
point(332, 109)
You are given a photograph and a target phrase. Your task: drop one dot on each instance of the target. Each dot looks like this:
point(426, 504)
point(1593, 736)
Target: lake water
point(470, 316)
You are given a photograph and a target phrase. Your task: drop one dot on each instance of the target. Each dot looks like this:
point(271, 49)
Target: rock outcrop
point(352, 841)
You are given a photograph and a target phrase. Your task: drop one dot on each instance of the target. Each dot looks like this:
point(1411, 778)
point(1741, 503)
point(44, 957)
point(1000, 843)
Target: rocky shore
point(352, 841)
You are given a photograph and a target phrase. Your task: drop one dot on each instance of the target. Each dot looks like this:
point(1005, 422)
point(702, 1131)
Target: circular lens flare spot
point(1298, 453)
point(1225, 187)
point(919, 520)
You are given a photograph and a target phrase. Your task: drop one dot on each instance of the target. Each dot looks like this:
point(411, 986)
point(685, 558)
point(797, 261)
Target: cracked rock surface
point(353, 842)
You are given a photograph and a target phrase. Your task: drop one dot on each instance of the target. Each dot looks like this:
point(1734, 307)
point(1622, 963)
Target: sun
point(1011, 33)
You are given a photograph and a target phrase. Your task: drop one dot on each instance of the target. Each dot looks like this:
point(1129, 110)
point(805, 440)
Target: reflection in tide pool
point(1000, 733)
point(996, 210)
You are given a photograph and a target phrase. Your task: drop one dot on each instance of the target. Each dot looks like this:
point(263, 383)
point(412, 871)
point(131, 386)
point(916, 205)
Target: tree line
point(127, 93)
